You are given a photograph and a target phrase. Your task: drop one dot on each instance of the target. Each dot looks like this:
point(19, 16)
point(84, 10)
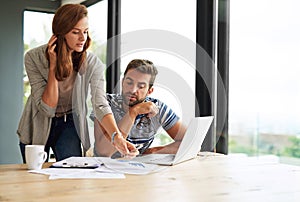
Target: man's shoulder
point(157, 102)
point(154, 100)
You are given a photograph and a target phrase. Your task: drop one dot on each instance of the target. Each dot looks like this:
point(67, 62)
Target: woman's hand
point(51, 52)
point(126, 148)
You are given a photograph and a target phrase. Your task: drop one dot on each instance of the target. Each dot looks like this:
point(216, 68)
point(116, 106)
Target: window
point(98, 28)
point(264, 86)
point(35, 34)
point(139, 15)
point(140, 21)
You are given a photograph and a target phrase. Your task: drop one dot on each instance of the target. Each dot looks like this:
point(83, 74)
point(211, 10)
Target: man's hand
point(148, 108)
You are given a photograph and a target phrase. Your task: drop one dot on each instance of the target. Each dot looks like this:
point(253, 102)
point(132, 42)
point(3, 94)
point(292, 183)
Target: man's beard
point(129, 103)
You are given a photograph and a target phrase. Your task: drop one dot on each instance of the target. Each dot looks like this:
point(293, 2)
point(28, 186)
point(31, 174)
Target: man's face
point(135, 87)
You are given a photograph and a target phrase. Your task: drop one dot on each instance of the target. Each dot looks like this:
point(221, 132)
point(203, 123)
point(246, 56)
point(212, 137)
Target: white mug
point(35, 156)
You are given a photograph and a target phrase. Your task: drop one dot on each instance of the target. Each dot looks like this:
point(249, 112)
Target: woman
point(60, 74)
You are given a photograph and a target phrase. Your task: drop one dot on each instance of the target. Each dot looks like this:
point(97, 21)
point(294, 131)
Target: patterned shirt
point(144, 129)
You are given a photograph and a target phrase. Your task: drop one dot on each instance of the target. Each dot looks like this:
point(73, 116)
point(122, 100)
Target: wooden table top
point(207, 178)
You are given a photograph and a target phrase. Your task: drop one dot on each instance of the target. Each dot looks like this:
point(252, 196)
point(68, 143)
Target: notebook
point(189, 147)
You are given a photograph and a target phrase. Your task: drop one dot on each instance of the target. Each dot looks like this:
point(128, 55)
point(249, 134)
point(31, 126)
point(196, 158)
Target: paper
point(102, 168)
point(77, 173)
point(129, 167)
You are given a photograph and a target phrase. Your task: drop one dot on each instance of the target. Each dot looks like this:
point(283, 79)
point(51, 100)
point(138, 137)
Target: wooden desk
point(206, 178)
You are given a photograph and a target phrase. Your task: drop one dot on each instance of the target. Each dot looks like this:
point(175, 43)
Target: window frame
point(210, 16)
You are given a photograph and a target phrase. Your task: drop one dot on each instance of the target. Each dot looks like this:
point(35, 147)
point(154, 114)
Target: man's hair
point(64, 20)
point(143, 66)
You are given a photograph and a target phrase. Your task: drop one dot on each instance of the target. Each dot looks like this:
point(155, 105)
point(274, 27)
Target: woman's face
point(77, 37)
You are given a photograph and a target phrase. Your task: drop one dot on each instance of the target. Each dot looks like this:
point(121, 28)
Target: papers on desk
point(129, 167)
point(98, 168)
point(77, 173)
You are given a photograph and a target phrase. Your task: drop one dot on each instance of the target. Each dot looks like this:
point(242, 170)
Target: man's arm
point(102, 138)
point(126, 123)
point(176, 132)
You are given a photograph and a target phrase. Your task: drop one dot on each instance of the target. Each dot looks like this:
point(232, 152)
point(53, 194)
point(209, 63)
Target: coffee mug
point(35, 156)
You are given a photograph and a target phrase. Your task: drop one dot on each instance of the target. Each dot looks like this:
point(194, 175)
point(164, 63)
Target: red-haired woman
point(60, 75)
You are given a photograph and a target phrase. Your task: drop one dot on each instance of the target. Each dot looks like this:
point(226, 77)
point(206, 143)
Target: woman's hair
point(65, 19)
point(143, 66)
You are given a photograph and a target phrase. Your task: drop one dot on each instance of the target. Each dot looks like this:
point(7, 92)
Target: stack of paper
point(95, 168)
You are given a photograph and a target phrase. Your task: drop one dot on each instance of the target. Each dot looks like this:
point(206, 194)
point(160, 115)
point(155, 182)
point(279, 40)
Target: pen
point(138, 146)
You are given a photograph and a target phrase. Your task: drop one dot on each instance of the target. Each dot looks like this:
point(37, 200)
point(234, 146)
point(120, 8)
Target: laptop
point(189, 147)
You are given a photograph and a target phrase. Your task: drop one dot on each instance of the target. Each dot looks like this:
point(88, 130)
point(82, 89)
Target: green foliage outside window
point(294, 149)
point(263, 148)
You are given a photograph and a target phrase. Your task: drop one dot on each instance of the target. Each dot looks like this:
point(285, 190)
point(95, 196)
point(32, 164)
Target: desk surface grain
point(207, 178)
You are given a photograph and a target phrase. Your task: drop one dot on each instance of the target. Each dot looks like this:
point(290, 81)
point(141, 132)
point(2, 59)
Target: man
point(139, 115)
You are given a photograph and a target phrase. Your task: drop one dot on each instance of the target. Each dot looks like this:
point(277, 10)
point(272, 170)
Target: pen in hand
point(133, 153)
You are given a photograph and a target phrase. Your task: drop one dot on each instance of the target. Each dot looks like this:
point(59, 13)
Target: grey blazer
point(35, 123)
